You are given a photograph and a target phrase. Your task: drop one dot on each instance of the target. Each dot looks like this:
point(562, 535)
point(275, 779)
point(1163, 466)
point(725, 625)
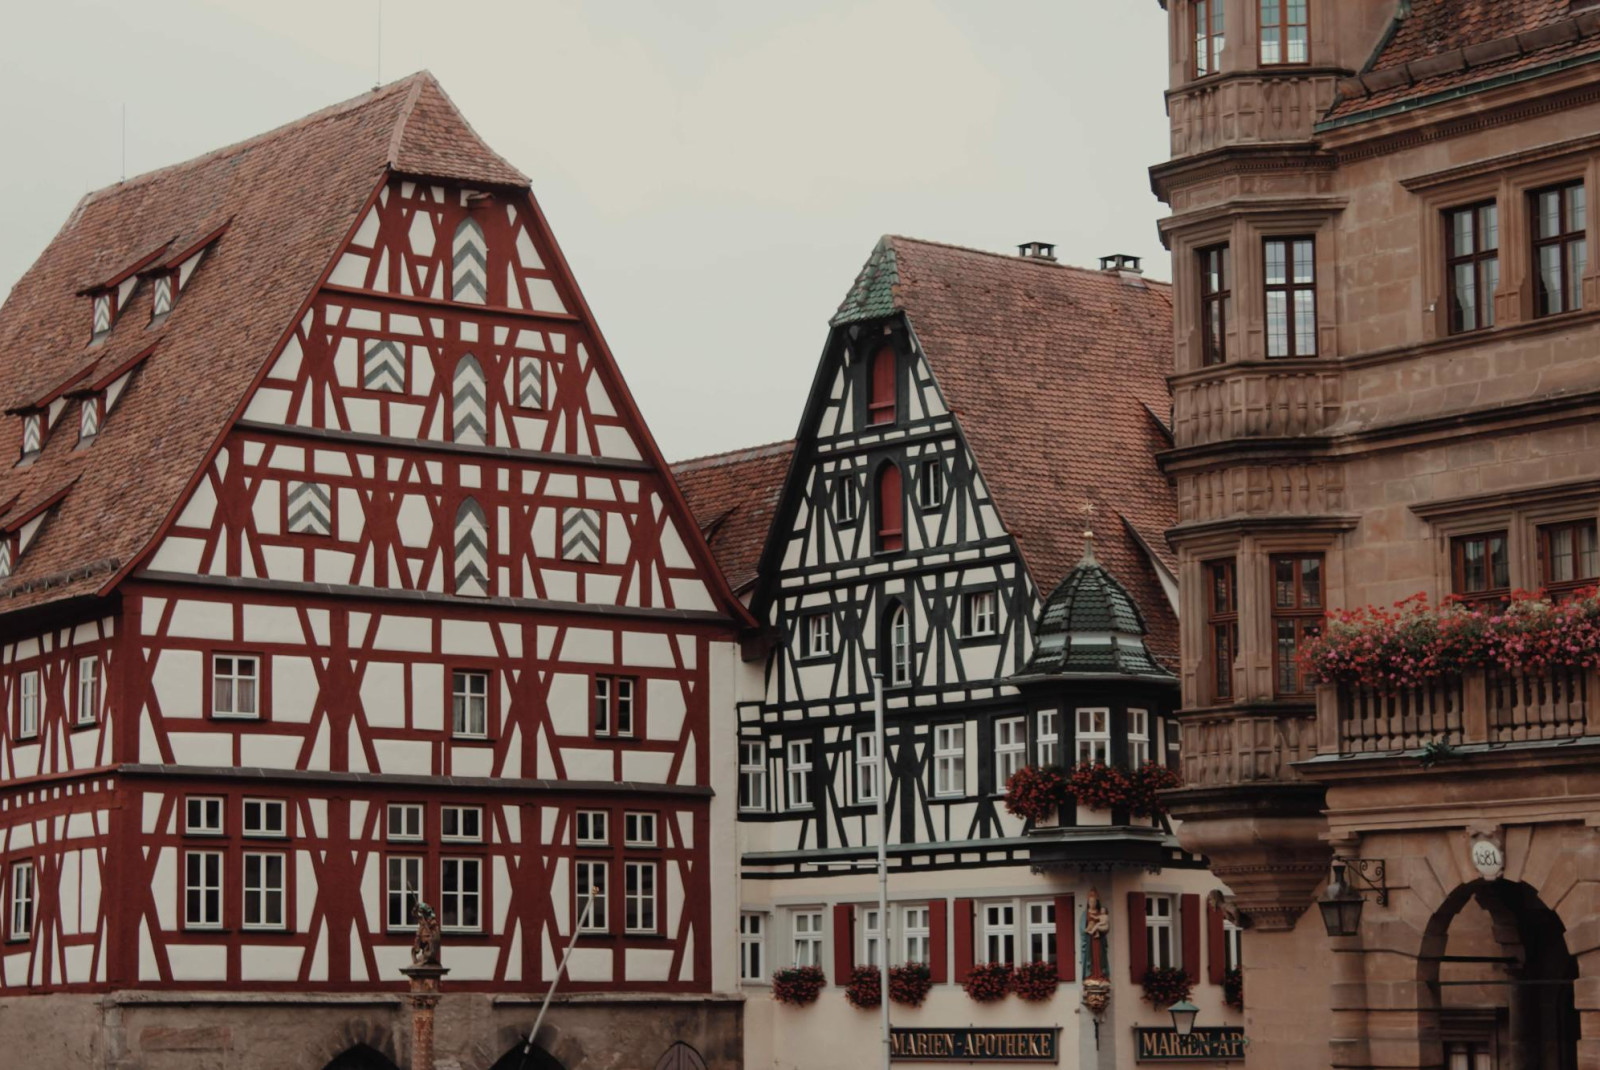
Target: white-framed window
point(871, 937)
point(639, 829)
point(202, 815)
point(979, 613)
point(235, 685)
point(88, 690)
point(930, 484)
point(752, 774)
point(461, 894)
point(899, 646)
point(402, 891)
point(1010, 748)
point(1041, 934)
point(1232, 945)
point(818, 639)
point(1047, 737)
point(752, 946)
point(1160, 948)
point(914, 934)
point(1138, 738)
point(613, 705)
point(22, 900)
point(404, 821)
point(28, 704)
point(265, 818)
point(593, 876)
point(461, 823)
point(639, 896)
point(867, 767)
point(263, 890)
point(799, 768)
point(591, 828)
point(1094, 735)
point(1174, 742)
point(999, 943)
point(950, 759)
point(469, 704)
point(806, 928)
point(202, 889)
point(846, 500)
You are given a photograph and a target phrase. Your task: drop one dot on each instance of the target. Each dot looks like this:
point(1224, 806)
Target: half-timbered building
point(339, 571)
point(969, 415)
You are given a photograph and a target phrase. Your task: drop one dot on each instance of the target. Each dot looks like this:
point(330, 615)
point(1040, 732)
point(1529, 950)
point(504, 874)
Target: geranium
point(865, 988)
point(1099, 786)
point(1036, 981)
point(1146, 784)
point(910, 984)
point(798, 985)
point(988, 981)
point(1164, 986)
point(1034, 792)
point(1233, 989)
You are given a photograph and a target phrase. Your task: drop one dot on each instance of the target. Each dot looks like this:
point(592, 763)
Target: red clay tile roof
point(733, 496)
point(292, 196)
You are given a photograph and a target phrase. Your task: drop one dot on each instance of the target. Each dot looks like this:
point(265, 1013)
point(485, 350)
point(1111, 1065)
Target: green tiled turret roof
point(1090, 626)
point(872, 296)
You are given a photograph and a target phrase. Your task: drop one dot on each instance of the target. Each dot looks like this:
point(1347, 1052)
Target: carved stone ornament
point(1096, 995)
point(1488, 853)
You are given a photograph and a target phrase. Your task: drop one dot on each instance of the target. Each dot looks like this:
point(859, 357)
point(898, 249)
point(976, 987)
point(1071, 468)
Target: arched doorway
point(360, 1057)
point(680, 1057)
point(537, 1059)
point(1496, 957)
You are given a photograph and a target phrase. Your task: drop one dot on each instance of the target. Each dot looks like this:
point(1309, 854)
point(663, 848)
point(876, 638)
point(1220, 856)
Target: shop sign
point(1169, 1046)
point(974, 1045)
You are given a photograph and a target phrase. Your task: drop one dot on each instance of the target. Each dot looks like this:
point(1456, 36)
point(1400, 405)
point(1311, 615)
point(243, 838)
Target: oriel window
point(1216, 303)
point(1297, 607)
point(1474, 265)
point(1560, 248)
point(1222, 624)
point(1291, 285)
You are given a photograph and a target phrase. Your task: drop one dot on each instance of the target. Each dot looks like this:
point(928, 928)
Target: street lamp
point(1183, 1016)
point(1341, 906)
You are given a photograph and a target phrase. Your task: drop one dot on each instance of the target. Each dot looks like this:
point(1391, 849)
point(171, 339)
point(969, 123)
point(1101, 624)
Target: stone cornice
point(1505, 162)
point(1243, 159)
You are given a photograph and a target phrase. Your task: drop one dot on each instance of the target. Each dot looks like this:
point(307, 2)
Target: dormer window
point(881, 404)
point(8, 554)
point(161, 294)
point(105, 312)
point(32, 435)
point(89, 417)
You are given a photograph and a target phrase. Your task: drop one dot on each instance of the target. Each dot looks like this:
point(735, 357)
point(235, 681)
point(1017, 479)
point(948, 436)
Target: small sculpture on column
point(1095, 953)
point(425, 973)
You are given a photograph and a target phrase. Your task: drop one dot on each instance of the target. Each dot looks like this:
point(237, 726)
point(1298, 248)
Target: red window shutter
point(1216, 946)
point(1138, 942)
point(965, 911)
point(891, 507)
point(938, 940)
point(844, 943)
point(1189, 920)
point(1066, 938)
point(880, 409)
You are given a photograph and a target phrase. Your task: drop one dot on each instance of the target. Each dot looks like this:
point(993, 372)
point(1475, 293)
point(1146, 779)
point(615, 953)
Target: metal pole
point(883, 864)
point(583, 921)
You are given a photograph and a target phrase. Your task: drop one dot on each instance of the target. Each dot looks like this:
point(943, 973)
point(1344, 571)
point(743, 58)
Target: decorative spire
point(1088, 534)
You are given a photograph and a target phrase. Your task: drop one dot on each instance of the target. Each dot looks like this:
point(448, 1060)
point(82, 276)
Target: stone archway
point(680, 1057)
point(537, 1059)
point(360, 1057)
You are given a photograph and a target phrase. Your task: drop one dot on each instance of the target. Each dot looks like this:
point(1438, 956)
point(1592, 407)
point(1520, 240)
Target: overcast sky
point(716, 170)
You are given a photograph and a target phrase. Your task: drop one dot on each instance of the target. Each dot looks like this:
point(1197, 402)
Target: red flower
point(1036, 981)
point(798, 986)
point(1164, 986)
point(987, 982)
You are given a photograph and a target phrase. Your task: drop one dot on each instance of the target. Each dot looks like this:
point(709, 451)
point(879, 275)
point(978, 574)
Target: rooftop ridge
point(744, 453)
point(1011, 258)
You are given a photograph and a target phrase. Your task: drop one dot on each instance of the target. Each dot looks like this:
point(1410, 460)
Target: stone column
point(424, 997)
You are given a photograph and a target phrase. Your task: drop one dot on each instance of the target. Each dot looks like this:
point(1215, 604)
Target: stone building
point(1385, 382)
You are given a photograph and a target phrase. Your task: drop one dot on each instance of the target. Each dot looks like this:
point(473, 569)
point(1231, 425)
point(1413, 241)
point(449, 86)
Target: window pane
point(1491, 283)
point(1465, 298)
point(1550, 288)
point(1500, 568)
point(1277, 324)
point(1275, 263)
point(1305, 323)
point(1549, 213)
point(1489, 228)
point(1461, 233)
point(1288, 682)
point(1577, 264)
point(1305, 268)
point(1577, 208)
point(1311, 582)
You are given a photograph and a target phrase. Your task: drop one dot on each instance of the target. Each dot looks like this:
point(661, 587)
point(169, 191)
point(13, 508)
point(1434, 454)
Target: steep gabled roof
point(288, 198)
point(733, 497)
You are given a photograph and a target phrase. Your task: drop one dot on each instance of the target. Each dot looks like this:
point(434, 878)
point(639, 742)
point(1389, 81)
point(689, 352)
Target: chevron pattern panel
point(472, 550)
point(383, 366)
point(469, 414)
point(530, 382)
point(469, 264)
point(89, 417)
point(580, 535)
point(102, 313)
point(6, 556)
point(32, 434)
point(310, 509)
point(161, 298)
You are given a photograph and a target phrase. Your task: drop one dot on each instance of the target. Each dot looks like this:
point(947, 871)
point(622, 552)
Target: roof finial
point(1088, 533)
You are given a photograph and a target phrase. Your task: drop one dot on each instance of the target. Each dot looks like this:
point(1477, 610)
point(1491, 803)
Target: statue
point(425, 948)
point(1095, 953)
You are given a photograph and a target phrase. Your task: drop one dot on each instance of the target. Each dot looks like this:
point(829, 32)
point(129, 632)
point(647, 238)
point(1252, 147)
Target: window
point(1291, 297)
point(460, 893)
point(161, 295)
point(807, 930)
point(871, 937)
point(978, 613)
point(639, 892)
point(1479, 569)
point(1041, 931)
point(1047, 741)
point(1094, 735)
point(1296, 617)
point(460, 823)
point(263, 890)
point(592, 827)
point(880, 406)
point(1232, 945)
point(22, 898)
point(914, 934)
point(202, 889)
point(752, 947)
point(88, 690)
point(403, 891)
point(469, 704)
point(235, 685)
point(1560, 249)
point(950, 759)
point(752, 775)
point(1569, 556)
point(867, 767)
point(639, 830)
point(405, 821)
point(1010, 748)
point(32, 434)
point(1284, 32)
point(264, 817)
point(1000, 933)
point(818, 635)
point(202, 815)
point(1472, 262)
point(1216, 298)
point(88, 417)
point(1158, 932)
point(591, 879)
point(1138, 738)
point(846, 500)
point(105, 311)
point(613, 705)
point(799, 774)
point(28, 704)
point(899, 646)
point(891, 524)
point(1206, 21)
point(1222, 623)
point(930, 484)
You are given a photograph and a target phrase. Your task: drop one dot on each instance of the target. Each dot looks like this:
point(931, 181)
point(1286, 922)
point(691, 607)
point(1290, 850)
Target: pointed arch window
point(469, 263)
point(891, 509)
point(881, 403)
point(472, 550)
point(468, 408)
point(897, 642)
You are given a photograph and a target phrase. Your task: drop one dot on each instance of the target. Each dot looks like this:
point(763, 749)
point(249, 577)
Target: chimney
point(1121, 262)
point(1037, 250)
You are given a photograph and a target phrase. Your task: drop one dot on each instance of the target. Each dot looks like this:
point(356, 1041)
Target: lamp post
point(1183, 1015)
